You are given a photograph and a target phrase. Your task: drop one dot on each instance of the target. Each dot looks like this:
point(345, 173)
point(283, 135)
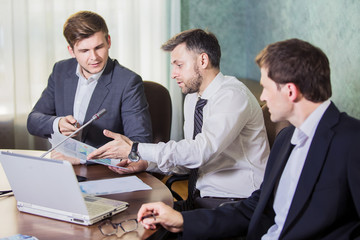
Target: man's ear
point(293, 92)
point(204, 60)
point(71, 51)
point(109, 41)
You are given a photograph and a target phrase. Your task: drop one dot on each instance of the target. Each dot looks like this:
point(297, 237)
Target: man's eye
point(100, 46)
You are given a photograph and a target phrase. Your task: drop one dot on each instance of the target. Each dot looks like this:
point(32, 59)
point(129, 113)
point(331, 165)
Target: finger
point(149, 221)
point(76, 125)
point(66, 127)
point(146, 226)
point(144, 210)
point(55, 155)
point(120, 170)
point(124, 163)
point(112, 169)
point(72, 127)
point(98, 153)
point(115, 169)
point(150, 210)
point(110, 134)
point(70, 119)
point(151, 226)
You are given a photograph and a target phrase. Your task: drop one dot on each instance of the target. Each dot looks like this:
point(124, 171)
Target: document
point(113, 185)
point(19, 237)
point(74, 148)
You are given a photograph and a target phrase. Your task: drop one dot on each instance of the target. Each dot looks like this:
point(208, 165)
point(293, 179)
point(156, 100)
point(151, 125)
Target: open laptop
point(49, 188)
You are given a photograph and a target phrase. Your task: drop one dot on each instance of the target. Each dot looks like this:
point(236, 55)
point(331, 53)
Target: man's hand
point(119, 148)
point(68, 125)
point(131, 167)
point(151, 214)
point(60, 156)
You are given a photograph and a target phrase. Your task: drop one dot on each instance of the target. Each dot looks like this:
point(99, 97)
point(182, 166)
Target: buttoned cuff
point(56, 125)
point(146, 152)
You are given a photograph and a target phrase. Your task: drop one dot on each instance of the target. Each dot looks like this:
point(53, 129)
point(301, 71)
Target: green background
point(244, 27)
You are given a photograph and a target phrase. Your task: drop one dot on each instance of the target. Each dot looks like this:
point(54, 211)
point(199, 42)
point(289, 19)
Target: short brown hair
point(298, 62)
point(199, 41)
point(82, 25)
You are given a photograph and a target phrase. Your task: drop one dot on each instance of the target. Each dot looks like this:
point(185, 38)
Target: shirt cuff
point(152, 167)
point(146, 151)
point(56, 125)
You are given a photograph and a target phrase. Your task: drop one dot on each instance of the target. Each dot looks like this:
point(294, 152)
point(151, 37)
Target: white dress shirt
point(84, 91)
point(232, 149)
point(302, 138)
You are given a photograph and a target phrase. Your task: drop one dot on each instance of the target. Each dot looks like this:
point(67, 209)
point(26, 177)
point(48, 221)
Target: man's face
point(91, 53)
point(276, 99)
point(185, 69)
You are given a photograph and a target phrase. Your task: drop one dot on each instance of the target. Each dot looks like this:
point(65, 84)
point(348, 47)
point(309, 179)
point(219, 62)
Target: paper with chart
point(74, 148)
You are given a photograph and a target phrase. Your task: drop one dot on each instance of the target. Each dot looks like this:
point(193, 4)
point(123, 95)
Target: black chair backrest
point(160, 109)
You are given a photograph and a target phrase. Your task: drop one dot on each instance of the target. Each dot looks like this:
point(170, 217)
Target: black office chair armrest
point(176, 178)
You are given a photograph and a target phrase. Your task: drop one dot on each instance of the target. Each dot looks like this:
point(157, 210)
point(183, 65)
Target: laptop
point(49, 188)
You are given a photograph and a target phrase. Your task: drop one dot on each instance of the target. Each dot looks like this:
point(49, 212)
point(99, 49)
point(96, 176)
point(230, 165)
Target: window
point(31, 41)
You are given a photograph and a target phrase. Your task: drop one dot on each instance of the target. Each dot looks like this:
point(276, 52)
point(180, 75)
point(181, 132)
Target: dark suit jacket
point(119, 90)
point(326, 204)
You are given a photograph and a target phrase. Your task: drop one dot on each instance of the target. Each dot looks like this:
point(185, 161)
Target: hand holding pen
point(151, 214)
point(68, 125)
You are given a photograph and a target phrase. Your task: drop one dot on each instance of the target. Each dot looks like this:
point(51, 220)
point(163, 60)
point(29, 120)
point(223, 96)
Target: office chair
point(160, 109)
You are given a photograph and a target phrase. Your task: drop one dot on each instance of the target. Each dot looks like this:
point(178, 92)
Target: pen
point(5, 192)
point(148, 216)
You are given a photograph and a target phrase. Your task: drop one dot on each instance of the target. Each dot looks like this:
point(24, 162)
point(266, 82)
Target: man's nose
point(93, 54)
point(174, 73)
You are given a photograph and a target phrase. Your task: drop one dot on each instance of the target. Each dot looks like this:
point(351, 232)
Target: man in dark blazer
point(311, 185)
point(87, 83)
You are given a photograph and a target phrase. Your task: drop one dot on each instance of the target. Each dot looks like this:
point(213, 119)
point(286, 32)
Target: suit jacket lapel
point(280, 162)
point(313, 164)
point(276, 166)
point(100, 92)
point(70, 86)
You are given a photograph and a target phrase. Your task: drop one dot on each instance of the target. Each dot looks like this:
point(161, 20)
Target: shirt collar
point(213, 86)
point(310, 124)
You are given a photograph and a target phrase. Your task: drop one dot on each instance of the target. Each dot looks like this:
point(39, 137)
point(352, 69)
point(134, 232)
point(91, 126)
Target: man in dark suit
point(90, 81)
point(311, 184)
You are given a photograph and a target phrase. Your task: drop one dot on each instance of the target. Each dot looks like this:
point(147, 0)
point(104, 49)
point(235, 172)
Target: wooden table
point(13, 222)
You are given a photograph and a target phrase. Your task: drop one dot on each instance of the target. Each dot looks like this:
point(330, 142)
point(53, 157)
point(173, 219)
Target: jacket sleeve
point(226, 221)
point(42, 116)
point(135, 113)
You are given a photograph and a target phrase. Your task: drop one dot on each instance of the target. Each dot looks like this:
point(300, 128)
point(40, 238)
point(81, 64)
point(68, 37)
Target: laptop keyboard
point(95, 209)
point(96, 205)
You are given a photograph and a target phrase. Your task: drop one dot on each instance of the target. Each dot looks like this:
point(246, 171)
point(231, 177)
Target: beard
point(193, 85)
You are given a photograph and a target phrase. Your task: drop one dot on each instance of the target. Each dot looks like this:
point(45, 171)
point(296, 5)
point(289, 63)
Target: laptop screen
point(43, 182)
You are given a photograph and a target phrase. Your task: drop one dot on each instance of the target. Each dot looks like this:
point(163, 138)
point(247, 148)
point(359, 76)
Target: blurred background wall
point(245, 27)
point(31, 41)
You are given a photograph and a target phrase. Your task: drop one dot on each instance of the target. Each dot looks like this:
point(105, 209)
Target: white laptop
point(49, 188)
